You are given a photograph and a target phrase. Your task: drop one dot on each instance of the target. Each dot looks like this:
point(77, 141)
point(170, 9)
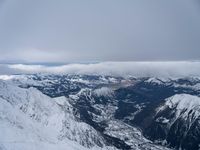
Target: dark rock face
point(176, 130)
point(135, 101)
point(192, 139)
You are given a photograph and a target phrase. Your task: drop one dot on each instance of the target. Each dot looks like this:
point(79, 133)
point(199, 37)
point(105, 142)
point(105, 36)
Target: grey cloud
point(138, 69)
point(114, 30)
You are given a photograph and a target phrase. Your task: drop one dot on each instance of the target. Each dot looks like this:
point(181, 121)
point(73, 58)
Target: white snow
point(30, 120)
point(104, 91)
point(184, 101)
point(6, 77)
point(159, 81)
point(184, 104)
point(162, 120)
point(131, 135)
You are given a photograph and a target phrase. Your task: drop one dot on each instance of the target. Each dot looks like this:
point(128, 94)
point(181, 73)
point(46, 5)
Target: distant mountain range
point(48, 111)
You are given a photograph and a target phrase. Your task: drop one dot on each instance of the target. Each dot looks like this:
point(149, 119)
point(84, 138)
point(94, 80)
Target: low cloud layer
point(139, 69)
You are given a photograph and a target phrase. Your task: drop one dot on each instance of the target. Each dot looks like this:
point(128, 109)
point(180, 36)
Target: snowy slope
point(184, 105)
point(95, 111)
point(32, 120)
point(176, 122)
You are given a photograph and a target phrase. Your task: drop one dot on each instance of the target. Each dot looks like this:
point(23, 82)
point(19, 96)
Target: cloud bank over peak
point(138, 69)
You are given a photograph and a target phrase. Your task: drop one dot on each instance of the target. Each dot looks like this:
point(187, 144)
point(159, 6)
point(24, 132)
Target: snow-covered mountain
point(99, 112)
point(32, 120)
point(178, 122)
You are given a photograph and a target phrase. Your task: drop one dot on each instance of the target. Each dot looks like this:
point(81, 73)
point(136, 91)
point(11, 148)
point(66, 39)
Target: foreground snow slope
point(30, 120)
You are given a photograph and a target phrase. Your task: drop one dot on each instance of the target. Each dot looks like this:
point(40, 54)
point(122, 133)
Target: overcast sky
point(99, 30)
